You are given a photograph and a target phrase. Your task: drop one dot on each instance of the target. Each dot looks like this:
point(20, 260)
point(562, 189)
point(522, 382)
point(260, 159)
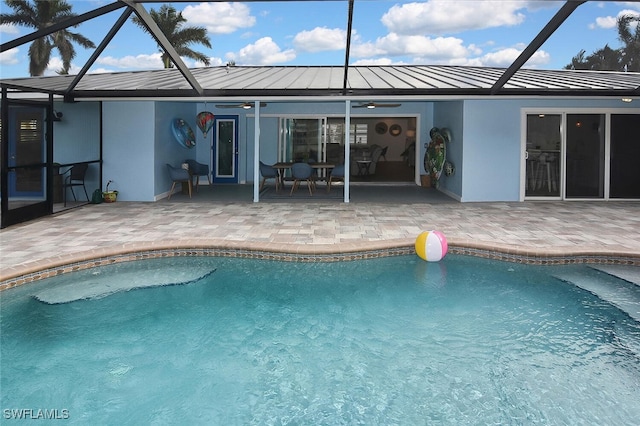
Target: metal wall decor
point(395, 130)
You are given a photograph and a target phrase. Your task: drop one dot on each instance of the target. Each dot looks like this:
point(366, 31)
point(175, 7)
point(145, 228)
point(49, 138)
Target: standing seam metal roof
point(328, 80)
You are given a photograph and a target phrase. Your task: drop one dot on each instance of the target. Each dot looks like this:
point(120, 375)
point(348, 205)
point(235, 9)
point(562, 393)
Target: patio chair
point(76, 176)
point(269, 172)
point(198, 169)
point(302, 172)
point(179, 175)
point(337, 174)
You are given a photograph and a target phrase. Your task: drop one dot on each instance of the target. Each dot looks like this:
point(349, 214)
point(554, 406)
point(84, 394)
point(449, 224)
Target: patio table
point(282, 167)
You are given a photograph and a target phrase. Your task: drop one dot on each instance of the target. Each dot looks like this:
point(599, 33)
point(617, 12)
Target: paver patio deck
point(535, 229)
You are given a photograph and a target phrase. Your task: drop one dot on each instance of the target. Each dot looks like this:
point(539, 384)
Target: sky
point(429, 32)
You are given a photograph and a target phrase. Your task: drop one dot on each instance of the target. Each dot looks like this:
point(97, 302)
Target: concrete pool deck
point(531, 231)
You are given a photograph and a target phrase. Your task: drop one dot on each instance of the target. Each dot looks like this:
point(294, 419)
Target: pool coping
point(57, 265)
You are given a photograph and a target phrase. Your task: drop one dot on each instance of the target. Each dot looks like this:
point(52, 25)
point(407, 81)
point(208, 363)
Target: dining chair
point(76, 176)
point(179, 175)
point(337, 174)
point(198, 169)
point(302, 172)
point(383, 153)
point(269, 172)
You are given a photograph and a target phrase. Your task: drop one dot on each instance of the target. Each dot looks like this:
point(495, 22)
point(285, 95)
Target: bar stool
point(546, 172)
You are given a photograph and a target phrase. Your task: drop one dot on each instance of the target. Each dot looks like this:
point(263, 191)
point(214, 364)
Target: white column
point(347, 150)
point(256, 155)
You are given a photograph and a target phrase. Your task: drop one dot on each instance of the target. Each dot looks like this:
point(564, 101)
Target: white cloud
point(505, 57)
point(263, 52)
point(606, 22)
point(219, 18)
point(609, 22)
point(213, 62)
point(378, 61)
point(9, 57)
point(152, 61)
point(320, 39)
point(9, 29)
point(439, 48)
point(55, 65)
point(630, 4)
point(100, 71)
point(448, 17)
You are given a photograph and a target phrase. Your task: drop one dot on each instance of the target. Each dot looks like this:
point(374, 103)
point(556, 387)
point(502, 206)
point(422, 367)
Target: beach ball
point(431, 246)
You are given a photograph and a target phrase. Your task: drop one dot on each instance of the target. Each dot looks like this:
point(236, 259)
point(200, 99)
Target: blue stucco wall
point(76, 138)
point(128, 137)
point(486, 145)
point(491, 150)
point(492, 142)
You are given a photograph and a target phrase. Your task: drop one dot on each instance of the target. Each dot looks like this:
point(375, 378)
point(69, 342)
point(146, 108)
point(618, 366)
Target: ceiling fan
point(244, 105)
point(372, 105)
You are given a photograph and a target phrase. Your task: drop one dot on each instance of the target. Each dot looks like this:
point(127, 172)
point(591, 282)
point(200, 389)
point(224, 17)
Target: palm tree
point(40, 14)
point(627, 58)
point(170, 23)
point(631, 49)
point(605, 59)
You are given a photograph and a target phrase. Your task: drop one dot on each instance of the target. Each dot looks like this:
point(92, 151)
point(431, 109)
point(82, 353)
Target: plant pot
point(110, 196)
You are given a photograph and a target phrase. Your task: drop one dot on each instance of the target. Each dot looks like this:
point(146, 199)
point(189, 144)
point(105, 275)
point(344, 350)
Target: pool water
point(384, 341)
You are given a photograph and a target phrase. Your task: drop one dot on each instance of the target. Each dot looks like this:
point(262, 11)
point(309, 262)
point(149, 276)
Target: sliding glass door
point(543, 155)
point(625, 154)
point(302, 139)
point(585, 155)
point(582, 156)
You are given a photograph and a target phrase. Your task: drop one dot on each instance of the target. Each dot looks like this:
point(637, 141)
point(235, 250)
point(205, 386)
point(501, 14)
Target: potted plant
point(109, 196)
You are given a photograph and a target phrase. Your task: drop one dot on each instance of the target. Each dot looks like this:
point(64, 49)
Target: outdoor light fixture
point(371, 106)
point(57, 116)
point(626, 100)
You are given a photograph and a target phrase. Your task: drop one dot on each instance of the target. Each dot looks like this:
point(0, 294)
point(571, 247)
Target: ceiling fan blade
point(245, 105)
point(372, 105)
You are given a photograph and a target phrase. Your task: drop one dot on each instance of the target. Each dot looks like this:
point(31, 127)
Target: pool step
point(98, 285)
point(615, 285)
point(627, 273)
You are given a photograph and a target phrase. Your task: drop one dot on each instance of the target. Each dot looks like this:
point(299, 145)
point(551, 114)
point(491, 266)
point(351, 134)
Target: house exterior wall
point(486, 146)
point(129, 147)
point(492, 153)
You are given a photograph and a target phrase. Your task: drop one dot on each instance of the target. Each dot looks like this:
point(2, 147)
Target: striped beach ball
point(431, 246)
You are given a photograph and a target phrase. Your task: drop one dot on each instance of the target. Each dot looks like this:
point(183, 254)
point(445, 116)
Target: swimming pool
point(384, 341)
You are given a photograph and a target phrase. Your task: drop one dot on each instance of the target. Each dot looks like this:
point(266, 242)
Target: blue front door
point(225, 150)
